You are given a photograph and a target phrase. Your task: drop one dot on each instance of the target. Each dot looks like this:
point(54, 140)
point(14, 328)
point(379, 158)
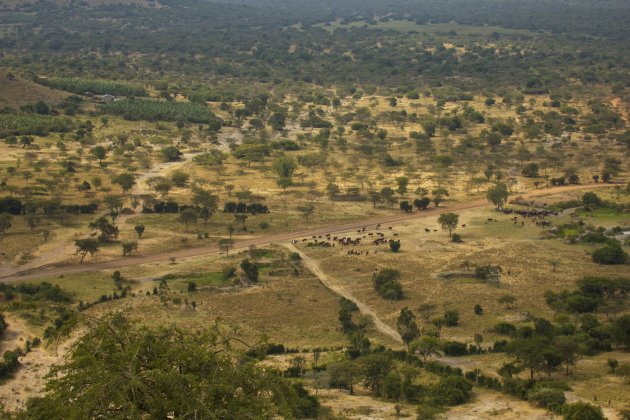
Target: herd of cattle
point(378, 237)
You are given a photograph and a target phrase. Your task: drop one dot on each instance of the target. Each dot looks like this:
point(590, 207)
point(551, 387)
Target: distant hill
point(10, 4)
point(16, 91)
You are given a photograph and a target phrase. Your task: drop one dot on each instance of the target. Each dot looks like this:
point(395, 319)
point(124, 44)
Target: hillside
point(16, 91)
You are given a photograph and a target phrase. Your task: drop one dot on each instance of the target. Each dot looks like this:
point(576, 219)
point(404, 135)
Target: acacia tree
point(187, 216)
point(126, 181)
point(208, 203)
point(154, 359)
point(498, 195)
point(438, 195)
point(426, 346)
point(449, 222)
point(86, 246)
point(225, 245)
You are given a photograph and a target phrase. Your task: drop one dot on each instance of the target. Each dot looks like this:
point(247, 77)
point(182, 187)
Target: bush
point(590, 199)
point(386, 284)
point(582, 411)
point(504, 328)
point(610, 254)
point(455, 348)
point(452, 390)
point(457, 238)
point(251, 270)
point(451, 318)
point(228, 272)
point(549, 398)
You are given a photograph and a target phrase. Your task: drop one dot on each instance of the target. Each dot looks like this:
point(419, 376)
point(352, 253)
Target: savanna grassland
point(359, 210)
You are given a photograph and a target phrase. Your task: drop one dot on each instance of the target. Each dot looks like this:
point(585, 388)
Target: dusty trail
point(51, 270)
point(335, 286)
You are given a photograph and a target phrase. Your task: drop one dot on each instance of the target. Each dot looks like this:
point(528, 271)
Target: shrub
point(452, 390)
point(455, 348)
point(504, 328)
point(386, 284)
point(610, 254)
point(590, 199)
point(251, 270)
point(582, 411)
point(228, 272)
point(549, 398)
point(451, 318)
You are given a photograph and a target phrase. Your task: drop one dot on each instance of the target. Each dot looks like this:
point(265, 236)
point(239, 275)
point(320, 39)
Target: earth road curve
point(52, 270)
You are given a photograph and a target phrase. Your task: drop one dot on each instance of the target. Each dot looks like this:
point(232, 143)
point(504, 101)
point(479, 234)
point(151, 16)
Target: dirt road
point(337, 287)
point(52, 270)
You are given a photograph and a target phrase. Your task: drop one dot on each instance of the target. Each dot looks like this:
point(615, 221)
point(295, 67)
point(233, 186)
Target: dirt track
point(276, 238)
point(332, 284)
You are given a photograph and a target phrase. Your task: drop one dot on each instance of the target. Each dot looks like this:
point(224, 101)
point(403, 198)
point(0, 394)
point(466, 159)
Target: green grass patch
point(86, 287)
point(180, 281)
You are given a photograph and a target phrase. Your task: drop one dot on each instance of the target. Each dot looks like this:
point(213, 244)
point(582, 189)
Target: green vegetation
point(144, 109)
point(386, 284)
point(80, 86)
point(17, 124)
point(156, 359)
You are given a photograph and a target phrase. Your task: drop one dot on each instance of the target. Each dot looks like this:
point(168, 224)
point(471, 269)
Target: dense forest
point(530, 45)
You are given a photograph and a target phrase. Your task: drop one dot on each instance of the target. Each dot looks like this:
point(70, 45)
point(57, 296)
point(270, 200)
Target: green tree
point(208, 203)
point(407, 327)
point(449, 222)
point(129, 247)
point(5, 222)
point(107, 231)
point(166, 373)
point(498, 195)
point(426, 346)
point(569, 349)
point(529, 352)
point(402, 182)
point(225, 245)
point(187, 216)
point(86, 246)
point(180, 178)
point(126, 181)
point(438, 195)
point(171, 154)
point(375, 368)
point(139, 230)
point(284, 167)
point(99, 152)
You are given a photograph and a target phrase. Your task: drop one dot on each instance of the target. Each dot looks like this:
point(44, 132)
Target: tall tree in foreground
point(119, 370)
